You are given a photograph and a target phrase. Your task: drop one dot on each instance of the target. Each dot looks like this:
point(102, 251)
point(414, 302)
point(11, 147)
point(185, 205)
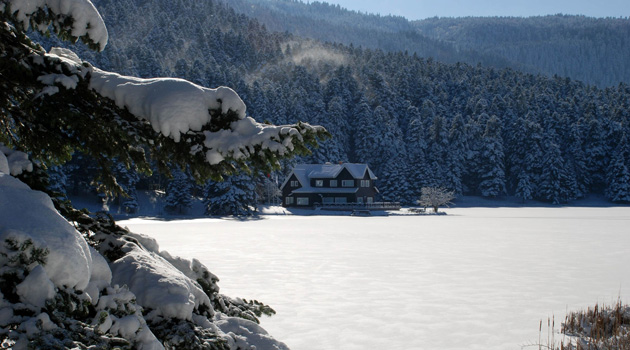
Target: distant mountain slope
point(594, 50)
point(591, 50)
point(332, 23)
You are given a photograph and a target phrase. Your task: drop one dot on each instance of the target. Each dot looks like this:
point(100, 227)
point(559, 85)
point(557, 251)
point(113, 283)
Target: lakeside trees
point(432, 116)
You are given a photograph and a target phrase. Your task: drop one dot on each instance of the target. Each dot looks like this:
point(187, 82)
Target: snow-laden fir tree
point(556, 185)
point(618, 189)
point(128, 180)
point(491, 172)
point(236, 195)
point(81, 281)
point(178, 192)
point(456, 156)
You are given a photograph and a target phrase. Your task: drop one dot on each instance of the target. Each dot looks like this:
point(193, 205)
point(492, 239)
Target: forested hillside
point(587, 49)
point(592, 50)
point(416, 122)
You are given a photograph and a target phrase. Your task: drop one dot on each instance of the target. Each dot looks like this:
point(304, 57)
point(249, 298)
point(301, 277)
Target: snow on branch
point(177, 108)
point(173, 106)
point(85, 21)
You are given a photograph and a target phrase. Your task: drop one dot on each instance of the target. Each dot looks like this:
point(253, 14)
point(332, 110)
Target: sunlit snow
point(474, 279)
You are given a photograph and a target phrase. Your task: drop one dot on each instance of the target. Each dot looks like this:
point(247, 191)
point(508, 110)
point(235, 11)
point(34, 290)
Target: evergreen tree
point(58, 180)
point(492, 173)
point(556, 184)
point(415, 140)
point(395, 185)
point(236, 195)
point(456, 156)
point(128, 180)
point(618, 189)
point(178, 193)
point(524, 189)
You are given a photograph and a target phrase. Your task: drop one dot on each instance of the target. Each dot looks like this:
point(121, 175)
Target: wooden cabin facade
point(311, 185)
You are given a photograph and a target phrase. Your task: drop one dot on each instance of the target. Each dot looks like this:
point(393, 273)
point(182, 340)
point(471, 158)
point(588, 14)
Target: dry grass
point(597, 328)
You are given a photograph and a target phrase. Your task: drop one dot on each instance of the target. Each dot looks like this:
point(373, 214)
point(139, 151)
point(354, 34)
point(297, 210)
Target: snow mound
point(13, 162)
point(246, 334)
point(173, 106)
point(86, 19)
point(30, 215)
point(157, 284)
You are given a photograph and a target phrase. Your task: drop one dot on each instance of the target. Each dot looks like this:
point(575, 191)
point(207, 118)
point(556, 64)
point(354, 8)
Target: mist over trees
point(592, 50)
point(417, 122)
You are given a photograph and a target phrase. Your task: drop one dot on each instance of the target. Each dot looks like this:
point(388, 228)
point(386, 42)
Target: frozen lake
point(477, 278)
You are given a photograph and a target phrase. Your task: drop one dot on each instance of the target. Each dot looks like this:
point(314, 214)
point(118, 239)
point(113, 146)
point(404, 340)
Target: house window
point(360, 200)
point(333, 183)
point(365, 183)
point(328, 200)
point(319, 183)
point(347, 183)
point(302, 200)
point(295, 183)
point(341, 200)
point(288, 200)
point(370, 200)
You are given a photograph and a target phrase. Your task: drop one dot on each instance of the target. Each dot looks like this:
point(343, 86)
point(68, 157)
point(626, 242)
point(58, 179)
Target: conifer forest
point(489, 121)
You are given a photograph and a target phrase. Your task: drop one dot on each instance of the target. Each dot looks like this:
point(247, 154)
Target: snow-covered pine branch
point(110, 116)
point(83, 281)
point(70, 19)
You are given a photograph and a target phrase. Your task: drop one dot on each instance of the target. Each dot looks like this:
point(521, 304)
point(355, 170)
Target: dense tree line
point(416, 122)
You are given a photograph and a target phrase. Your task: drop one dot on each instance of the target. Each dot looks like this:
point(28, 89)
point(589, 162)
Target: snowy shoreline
point(150, 206)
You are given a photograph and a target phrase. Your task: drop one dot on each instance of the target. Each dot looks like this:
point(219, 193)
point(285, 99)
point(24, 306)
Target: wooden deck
point(361, 206)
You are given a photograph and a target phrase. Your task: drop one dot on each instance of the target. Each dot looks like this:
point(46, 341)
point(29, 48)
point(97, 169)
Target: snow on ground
point(478, 278)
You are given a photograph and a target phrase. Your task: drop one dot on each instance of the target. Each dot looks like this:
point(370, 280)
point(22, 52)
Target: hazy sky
point(418, 9)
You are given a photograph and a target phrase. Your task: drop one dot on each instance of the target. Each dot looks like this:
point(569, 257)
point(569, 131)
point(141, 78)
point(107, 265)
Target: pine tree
point(492, 173)
point(524, 189)
point(415, 140)
point(58, 180)
point(456, 156)
point(128, 180)
point(236, 196)
point(178, 193)
point(556, 184)
point(618, 179)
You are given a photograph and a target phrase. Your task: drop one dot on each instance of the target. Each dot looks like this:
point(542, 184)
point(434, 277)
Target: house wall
point(286, 191)
point(366, 192)
point(313, 198)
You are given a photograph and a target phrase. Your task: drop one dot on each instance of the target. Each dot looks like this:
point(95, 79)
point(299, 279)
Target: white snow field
point(478, 278)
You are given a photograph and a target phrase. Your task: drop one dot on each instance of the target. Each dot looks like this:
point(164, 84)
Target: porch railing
point(360, 206)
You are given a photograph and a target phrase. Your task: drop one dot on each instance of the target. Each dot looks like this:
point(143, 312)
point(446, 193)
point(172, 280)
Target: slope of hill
point(593, 50)
point(417, 122)
point(587, 49)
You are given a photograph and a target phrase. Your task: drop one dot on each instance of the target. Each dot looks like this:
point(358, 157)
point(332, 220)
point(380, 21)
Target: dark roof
point(305, 172)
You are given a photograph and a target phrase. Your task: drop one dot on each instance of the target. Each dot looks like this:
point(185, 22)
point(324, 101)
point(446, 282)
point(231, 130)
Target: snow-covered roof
point(305, 172)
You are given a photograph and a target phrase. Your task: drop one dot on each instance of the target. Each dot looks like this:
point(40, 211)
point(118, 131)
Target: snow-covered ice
point(478, 278)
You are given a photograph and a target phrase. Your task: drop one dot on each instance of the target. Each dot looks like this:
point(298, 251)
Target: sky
point(420, 9)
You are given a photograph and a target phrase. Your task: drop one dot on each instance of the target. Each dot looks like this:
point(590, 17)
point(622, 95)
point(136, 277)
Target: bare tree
point(435, 197)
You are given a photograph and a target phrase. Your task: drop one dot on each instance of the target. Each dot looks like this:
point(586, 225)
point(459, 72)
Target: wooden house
point(311, 185)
